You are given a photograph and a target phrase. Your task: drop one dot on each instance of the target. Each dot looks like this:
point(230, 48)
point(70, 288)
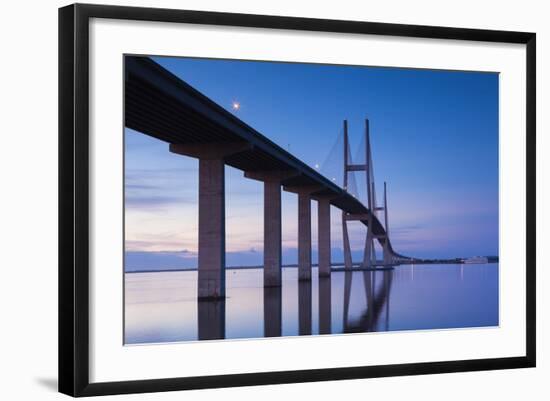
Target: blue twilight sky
point(434, 137)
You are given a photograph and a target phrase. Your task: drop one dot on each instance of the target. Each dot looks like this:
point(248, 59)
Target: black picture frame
point(74, 198)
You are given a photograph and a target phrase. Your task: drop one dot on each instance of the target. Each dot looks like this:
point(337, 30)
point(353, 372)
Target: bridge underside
point(159, 104)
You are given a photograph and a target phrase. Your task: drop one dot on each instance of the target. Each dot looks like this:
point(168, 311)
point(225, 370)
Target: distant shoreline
point(190, 269)
point(334, 267)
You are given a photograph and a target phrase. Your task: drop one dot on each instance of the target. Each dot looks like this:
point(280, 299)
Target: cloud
point(159, 260)
point(158, 188)
point(404, 230)
point(139, 187)
point(156, 201)
point(131, 175)
point(156, 244)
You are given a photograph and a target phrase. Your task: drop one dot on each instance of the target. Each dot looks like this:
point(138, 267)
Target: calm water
point(162, 306)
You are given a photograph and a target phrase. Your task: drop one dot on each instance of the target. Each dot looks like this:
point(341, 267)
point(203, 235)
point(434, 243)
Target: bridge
point(161, 105)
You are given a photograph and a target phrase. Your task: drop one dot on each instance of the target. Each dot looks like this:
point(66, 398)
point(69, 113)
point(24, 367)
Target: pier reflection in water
point(273, 312)
point(162, 306)
point(211, 319)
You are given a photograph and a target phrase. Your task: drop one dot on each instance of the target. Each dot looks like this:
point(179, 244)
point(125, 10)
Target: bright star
point(236, 105)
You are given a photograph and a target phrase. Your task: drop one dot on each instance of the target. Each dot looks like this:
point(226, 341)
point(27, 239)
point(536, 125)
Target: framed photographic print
point(250, 199)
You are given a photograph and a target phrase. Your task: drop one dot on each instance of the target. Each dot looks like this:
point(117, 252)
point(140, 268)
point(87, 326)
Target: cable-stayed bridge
point(159, 104)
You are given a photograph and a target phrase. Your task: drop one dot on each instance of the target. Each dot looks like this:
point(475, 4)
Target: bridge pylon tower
point(369, 254)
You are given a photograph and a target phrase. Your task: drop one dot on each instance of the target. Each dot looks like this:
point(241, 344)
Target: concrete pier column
point(211, 263)
point(304, 235)
point(305, 194)
point(272, 233)
point(323, 212)
point(211, 269)
point(272, 222)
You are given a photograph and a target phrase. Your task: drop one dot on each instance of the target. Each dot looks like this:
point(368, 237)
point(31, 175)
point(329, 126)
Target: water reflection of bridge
point(376, 301)
point(373, 311)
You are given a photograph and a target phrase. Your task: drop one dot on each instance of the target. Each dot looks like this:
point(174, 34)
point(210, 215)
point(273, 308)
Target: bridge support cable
point(331, 167)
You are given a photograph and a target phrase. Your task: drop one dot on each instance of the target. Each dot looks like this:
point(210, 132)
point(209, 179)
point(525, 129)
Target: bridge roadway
point(159, 104)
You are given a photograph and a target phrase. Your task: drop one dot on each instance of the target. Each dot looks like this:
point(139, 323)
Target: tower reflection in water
point(377, 301)
point(367, 316)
